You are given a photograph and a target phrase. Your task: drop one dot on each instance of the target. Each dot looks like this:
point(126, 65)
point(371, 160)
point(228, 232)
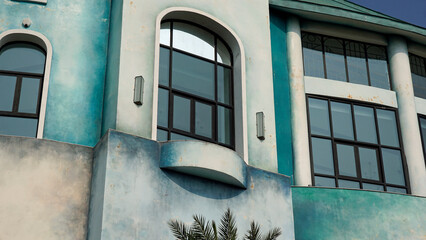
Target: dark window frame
point(411, 58)
point(419, 117)
point(344, 44)
point(378, 146)
point(17, 95)
point(195, 98)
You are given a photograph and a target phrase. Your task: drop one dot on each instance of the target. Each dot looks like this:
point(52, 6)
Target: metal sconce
point(138, 90)
point(260, 125)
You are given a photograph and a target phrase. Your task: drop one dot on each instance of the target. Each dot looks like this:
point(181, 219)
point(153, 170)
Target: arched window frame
point(238, 56)
point(36, 38)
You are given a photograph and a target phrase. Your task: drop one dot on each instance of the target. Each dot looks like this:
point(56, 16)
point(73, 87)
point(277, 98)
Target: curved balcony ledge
point(205, 160)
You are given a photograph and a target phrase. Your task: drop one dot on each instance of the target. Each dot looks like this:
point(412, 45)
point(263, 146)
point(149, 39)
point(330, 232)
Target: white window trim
point(14, 35)
point(234, 42)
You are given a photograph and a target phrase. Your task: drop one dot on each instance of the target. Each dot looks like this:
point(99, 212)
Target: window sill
point(352, 91)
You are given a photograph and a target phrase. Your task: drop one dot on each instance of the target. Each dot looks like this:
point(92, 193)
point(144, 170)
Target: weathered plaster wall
point(140, 197)
point(321, 213)
point(281, 93)
point(44, 188)
point(78, 31)
point(109, 113)
point(250, 23)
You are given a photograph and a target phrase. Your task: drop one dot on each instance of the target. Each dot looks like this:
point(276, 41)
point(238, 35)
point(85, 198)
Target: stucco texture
point(321, 213)
point(78, 32)
point(44, 188)
point(250, 23)
point(140, 197)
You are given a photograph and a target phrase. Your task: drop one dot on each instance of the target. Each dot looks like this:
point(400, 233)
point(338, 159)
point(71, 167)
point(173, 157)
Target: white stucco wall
point(250, 23)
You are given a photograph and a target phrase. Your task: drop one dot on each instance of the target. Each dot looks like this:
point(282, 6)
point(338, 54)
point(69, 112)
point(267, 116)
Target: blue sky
point(412, 11)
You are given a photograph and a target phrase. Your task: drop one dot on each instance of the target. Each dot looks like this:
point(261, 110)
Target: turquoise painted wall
point(78, 31)
point(109, 114)
point(281, 93)
point(321, 213)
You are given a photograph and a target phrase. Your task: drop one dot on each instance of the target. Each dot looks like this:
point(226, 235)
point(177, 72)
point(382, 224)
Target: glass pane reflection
point(224, 85)
point(312, 55)
point(324, 182)
point(392, 164)
point(29, 95)
point(378, 67)
point(357, 65)
point(348, 184)
point(322, 156)
point(7, 92)
point(181, 113)
point(318, 117)
point(193, 39)
point(224, 118)
point(22, 57)
point(387, 127)
point(368, 161)
point(342, 120)
point(16, 126)
point(334, 59)
point(193, 75)
point(365, 124)
point(346, 160)
point(203, 119)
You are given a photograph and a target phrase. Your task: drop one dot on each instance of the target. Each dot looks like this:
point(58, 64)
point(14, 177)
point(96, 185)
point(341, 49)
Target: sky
point(412, 11)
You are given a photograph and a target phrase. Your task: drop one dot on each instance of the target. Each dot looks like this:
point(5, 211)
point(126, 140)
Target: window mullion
point(17, 95)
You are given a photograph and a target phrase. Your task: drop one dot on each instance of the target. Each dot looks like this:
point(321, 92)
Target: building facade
point(117, 116)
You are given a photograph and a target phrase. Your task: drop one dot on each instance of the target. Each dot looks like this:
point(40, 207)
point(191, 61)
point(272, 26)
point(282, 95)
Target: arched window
point(22, 67)
point(195, 95)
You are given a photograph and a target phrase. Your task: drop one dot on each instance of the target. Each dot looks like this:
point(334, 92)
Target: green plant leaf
point(254, 232)
point(202, 230)
point(273, 234)
point(227, 228)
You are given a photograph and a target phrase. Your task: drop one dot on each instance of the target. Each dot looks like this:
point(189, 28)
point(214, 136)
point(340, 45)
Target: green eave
point(350, 14)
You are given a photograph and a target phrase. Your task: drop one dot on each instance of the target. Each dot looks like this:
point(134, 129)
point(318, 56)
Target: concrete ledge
point(216, 162)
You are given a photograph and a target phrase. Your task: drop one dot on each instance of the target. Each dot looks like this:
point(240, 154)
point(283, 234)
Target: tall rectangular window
point(418, 75)
point(355, 145)
point(345, 60)
point(422, 121)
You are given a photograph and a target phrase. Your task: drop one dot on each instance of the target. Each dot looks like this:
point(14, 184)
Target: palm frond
point(179, 229)
point(227, 228)
point(202, 229)
point(254, 232)
point(214, 230)
point(273, 234)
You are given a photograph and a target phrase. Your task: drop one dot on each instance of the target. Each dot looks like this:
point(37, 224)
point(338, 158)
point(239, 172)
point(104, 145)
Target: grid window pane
point(375, 187)
point(365, 124)
point(203, 119)
point(16, 126)
point(7, 92)
point(423, 132)
point(396, 190)
point(334, 59)
point(324, 182)
point(378, 67)
point(163, 108)
point(387, 128)
point(346, 160)
point(322, 156)
point(163, 75)
point(392, 164)
point(165, 33)
point(357, 65)
point(342, 120)
point(223, 54)
point(176, 136)
point(193, 75)
point(224, 118)
point(318, 117)
point(312, 55)
point(418, 74)
point(22, 57)
point(28, 100)
point(193, 39)
point(348, 184)
point(368, 162)
point(181, 113)
point(224, 85)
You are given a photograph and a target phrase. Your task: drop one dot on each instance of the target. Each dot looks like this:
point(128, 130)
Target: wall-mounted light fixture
point(260, 125)
point(138, 90)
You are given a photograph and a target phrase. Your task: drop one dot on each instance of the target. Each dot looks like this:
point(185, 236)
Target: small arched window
point(22, 67)
point(195, 95)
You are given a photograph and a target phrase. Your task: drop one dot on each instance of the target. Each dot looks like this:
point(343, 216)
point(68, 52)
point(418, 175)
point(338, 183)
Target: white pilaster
point(403, 86)
point(300, 137)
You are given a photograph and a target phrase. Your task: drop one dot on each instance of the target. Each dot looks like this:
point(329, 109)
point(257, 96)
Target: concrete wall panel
point(44, 188)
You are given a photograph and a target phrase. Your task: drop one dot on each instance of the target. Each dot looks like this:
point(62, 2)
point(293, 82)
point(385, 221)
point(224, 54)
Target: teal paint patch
point(109, 114)
point(78, 32)
point(282, 100)
point(321, 213)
